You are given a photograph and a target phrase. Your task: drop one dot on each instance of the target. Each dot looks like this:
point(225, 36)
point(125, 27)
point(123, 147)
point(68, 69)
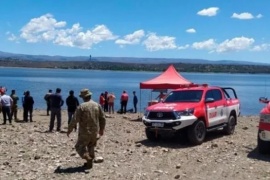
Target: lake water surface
point(249, 87)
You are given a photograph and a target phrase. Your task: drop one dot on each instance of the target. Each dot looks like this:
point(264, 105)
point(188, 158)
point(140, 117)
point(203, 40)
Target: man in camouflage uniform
point(14, 107)
point(91, 119)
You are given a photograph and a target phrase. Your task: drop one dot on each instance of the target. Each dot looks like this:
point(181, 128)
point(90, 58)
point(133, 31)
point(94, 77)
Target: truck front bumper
point(169, 124)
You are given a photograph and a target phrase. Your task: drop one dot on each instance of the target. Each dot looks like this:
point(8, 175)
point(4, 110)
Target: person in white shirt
point(5, 102)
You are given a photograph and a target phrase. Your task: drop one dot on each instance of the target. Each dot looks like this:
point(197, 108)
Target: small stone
point(6, 163)
point(165, 150)
point(37, 157)
point(214, 145)
point(98, 159)
point(138, 145)
point(245, 128)
point(158, 171)
point(177, 176)
point(178, 166)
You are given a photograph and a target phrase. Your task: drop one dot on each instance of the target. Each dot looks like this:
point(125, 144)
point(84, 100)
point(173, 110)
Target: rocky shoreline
point(29, 152)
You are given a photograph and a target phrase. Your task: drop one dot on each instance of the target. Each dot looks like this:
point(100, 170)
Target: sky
point(193, 29)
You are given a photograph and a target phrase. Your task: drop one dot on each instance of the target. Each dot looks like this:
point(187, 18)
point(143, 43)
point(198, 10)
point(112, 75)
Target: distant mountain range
point(123, 59)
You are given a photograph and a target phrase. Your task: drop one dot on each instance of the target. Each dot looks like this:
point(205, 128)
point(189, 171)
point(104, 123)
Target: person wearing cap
point(91, 119)
point(14, 107)
point(56, 102)
point(5, 103)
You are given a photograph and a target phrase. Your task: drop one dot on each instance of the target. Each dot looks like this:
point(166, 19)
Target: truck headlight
point(187, 112)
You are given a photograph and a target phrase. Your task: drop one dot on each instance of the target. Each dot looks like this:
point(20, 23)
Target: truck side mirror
point(263, 99)
point(209, 100)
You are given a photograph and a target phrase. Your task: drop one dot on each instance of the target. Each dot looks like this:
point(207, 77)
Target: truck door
point(215, 108)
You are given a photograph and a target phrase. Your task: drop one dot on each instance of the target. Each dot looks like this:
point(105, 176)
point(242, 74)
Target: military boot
point(89, 163)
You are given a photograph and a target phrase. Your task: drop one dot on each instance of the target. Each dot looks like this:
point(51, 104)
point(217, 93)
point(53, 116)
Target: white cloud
point(212, 11)
point(156, 43)
point(262, 47)
point(205, 45)
point(183, 47)
point(245, 16)
point(130, 39)
point(259, 16)
point(46, 28)
point(235, 44)
point(12, 37)
point(191, 30)
point(74, 37)
point(37, 29)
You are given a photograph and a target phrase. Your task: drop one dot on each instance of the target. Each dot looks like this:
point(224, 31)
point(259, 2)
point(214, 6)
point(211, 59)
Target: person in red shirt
point(124, 101)
point(102, 100)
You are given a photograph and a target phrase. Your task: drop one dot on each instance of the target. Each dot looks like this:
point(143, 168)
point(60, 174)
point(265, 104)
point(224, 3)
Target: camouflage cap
point(85, 93)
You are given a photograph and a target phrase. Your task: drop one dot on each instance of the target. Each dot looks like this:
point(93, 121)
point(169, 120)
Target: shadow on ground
point(70, 170)
point(178, 140)
point(47, 131)
point(254, 154)
point(19, 121)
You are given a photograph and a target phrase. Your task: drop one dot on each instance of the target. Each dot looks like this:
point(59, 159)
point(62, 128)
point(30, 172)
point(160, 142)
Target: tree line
point(120, 66)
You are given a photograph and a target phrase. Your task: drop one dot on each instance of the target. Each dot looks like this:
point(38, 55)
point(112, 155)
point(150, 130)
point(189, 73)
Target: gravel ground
point(29, 152)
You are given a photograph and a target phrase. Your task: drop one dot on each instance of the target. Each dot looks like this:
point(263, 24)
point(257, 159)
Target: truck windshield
point(184, 96)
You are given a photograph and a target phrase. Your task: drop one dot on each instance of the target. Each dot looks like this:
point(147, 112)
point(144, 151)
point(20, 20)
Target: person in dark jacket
point(56, 104)
point(106, 104)
point(47, 99)
point(135, 101)
point(28, 104)
point(72, 103)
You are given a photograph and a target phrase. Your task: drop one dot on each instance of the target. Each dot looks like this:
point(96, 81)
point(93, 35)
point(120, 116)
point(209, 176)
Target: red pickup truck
point(196, 110)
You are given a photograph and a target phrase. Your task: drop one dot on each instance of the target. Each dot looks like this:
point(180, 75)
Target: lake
point(249, 87)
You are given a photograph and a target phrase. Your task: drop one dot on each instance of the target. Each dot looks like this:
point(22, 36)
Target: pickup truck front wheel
point(197, 132)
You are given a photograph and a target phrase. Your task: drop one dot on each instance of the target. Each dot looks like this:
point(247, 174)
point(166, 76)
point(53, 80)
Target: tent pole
point(140, 102)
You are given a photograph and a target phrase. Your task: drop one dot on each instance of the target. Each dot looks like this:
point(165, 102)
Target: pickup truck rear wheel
point(229, 129)
point(263, 146)
point(197, 132)
point(151, 135)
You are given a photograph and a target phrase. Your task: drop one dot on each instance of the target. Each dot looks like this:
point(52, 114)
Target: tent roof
point(170, 79)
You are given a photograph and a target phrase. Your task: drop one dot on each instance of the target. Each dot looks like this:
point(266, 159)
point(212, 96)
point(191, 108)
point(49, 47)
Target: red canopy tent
point(170, 79)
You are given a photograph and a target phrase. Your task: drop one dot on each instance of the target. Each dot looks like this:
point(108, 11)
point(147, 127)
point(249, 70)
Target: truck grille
point(161, 115)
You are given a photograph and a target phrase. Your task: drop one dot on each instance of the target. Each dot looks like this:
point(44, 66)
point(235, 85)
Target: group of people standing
point(9, 105)
point(54, 103)
point(106, 101)
point(88, 115)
